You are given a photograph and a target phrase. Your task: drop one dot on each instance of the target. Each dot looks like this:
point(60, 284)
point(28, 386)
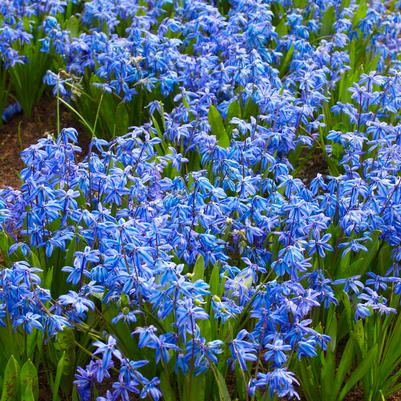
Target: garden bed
point(23, 131)
point(208, 200)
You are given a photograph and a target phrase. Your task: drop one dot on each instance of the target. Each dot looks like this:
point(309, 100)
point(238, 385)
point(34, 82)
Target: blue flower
point(242, 351)
point(107, 350)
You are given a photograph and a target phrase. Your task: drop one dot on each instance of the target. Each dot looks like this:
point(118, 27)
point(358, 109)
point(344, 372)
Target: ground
point(21, 132)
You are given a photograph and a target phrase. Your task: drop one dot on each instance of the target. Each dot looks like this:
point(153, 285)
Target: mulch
point(357, 395)
point(22, 132)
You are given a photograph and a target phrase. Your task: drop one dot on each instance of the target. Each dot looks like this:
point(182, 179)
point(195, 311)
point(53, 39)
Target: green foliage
point(328, 19)
point(11, 381)
point(30, 75)
point(217, 126)
point(334, 373)
point(57, 380)
point(363, 353)
point(382, 342)
point(286, 61)
point(224, 395)
point(29, 382)
point(199, 269)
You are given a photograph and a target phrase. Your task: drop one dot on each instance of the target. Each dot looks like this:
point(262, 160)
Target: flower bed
point(195, 253)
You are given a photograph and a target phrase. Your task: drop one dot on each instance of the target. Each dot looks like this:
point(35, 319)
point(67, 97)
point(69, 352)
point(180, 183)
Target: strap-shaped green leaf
point(165, 386)
point(29, 381)
point(57, 380)
point(224, 395)
point(217, 126)
point(199, 269)
point(361, 370)
point(11, 384)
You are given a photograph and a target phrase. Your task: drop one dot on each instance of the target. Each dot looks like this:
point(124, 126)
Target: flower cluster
point(200, 232)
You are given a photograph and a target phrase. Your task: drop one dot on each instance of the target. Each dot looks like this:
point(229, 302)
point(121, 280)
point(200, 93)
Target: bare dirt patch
point(22, 132)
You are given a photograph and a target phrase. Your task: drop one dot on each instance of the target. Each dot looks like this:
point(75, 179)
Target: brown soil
point(354, 395)
point(395, 397)
point(357, 395)
point(22, 132)
point(314, 164)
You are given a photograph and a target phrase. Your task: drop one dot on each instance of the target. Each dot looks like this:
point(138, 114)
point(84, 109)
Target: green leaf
point(300, 3)
point(332, 328)
point(122, 119)
point(28, 394)
point(214, 281)
point(3, 239)
point(73, 26)
point(29, 381)
point(48, 277)
point(75, 394)
point(198, 388)
point(66, 343)
point(358, 334)
point(108, 111)
point(250, 109)
point(234, 110)
point(310, 381)
point(84, 122)
point(360, 12)
point(359, 372)
point(69, 256)
point(347, 308)
point(194, 163)
point(165, 387)
point(224, 395)
point(35, 262)
point(217, 126)
point(286, 61)
point(205, 328)
point(328, 19)
point(332, 166)
point(281, 29)
point(385, 259)
point(345, 365)
point(199, 269)
point(366, 262)
point(57, 380)
point(29, 75)
point(327, 376)
point(239, 383)
point(11, 381)
point(31, 342)
point(390, 357)
point(157, 126)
